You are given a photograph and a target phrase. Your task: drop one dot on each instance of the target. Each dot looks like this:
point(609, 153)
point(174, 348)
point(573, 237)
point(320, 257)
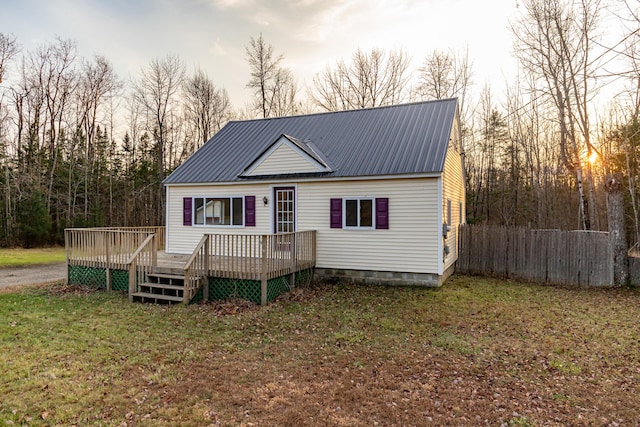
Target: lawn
point(475, 352)
point(18, 257)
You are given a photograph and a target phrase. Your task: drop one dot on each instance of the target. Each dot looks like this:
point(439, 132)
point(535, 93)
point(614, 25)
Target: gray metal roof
point(393, 140)
point(305, 146)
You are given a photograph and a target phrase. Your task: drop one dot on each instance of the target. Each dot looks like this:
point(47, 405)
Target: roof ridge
point(324, 113)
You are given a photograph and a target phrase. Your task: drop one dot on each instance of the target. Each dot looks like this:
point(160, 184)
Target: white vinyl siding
point(411, 243)
point(453, 195)
point(284, 160)
point(183, 239)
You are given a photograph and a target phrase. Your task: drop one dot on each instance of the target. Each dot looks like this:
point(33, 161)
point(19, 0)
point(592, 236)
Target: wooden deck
point(258, 257)
point(232, 267)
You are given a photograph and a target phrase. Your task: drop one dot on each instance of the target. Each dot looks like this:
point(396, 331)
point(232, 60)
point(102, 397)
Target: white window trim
point(230, 197)
point(358, 227)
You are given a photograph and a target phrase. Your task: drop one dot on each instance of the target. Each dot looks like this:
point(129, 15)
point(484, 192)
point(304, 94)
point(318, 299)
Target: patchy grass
point(19, 257)
point(475, 352)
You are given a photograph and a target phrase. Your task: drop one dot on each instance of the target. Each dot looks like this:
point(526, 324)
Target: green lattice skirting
point(219, 288)
point(223, 288)
point(97, 278)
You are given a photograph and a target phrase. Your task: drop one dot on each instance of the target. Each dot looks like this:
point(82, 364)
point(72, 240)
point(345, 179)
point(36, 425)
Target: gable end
point(286, 155)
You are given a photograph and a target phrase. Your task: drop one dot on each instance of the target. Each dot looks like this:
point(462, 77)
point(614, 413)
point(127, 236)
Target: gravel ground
point(32, 275)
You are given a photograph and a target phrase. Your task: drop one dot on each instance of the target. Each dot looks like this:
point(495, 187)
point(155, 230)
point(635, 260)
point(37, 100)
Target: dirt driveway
point(32, 275)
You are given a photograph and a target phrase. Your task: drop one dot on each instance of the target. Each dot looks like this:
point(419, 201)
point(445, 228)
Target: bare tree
point(447, 75)
point(156, 91)
point(273, 85)
point(372, 79)
point(98, 83)
point(207, 108)
point(553, 42)
point(8, 49)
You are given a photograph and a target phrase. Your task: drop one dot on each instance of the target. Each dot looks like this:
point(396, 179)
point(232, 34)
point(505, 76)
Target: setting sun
point(593, 158)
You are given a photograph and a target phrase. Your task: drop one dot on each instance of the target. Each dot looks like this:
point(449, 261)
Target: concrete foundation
point(392, 278)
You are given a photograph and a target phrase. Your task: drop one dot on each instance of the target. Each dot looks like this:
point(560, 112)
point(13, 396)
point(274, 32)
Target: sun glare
point(593, 158)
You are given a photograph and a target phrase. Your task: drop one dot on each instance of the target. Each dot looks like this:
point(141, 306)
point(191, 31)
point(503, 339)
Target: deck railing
point(87, 246)
point(251, 257)
point(259, 257)
point(110, 248)
point(101, 241)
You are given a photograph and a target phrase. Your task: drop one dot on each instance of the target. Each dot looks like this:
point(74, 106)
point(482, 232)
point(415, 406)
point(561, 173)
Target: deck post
point(263, 274)
point(67, 247)
point(154, 251)
point(294, 257)
point(205, 279)
point(132, 280)
point(108, 269)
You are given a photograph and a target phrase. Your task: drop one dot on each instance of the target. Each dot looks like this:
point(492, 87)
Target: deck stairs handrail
point(196, 269)
point(141, 263)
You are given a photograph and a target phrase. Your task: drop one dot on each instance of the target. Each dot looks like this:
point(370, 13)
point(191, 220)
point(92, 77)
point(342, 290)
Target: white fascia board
point(313, 179)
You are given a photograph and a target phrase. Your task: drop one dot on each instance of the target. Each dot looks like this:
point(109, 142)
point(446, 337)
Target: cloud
point(232, 4)
point(218, 49)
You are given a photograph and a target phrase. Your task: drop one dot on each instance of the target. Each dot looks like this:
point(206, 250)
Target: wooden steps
point(161, 288)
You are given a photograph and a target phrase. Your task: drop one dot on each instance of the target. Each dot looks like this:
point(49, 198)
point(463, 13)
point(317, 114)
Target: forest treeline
point(81, 147)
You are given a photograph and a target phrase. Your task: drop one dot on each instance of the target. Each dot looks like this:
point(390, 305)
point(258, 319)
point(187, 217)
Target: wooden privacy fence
point(548, 256)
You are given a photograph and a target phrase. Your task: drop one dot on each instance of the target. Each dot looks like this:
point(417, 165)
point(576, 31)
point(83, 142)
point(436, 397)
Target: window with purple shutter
point(250, 211)
point(336, 213)
point(382, 213)
point(187, 212)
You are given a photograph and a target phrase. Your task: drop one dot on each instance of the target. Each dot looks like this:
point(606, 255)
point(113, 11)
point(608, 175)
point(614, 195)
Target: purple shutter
point(187, 213)
point(250, 211)
point(336, 213)
point(382, 213)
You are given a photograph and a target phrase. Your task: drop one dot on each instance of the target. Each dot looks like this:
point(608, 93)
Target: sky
point(311, 34)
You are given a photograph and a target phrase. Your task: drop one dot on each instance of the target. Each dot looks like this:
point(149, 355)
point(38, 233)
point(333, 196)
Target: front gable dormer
point(287, 155)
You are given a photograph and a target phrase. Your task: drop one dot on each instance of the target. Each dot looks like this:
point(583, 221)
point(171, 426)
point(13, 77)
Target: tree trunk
point(617, 230)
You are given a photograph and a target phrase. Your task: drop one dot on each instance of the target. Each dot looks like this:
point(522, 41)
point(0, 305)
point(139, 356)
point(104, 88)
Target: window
point(227, 211)
point(358, 213)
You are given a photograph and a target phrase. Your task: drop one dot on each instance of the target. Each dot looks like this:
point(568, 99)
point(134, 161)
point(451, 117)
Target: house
point(382, 187)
